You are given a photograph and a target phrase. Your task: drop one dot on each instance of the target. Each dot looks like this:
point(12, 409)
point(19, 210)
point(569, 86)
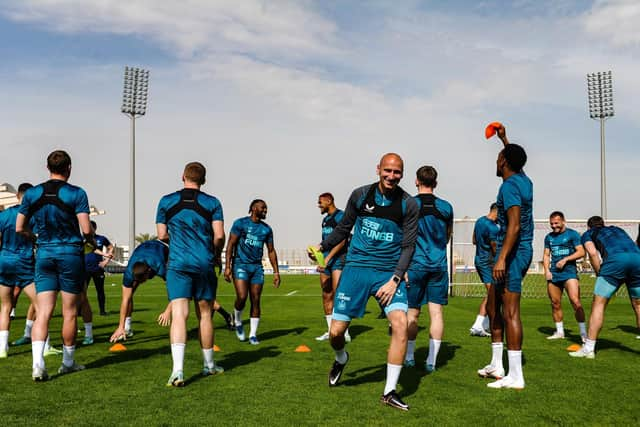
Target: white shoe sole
point(507, 382)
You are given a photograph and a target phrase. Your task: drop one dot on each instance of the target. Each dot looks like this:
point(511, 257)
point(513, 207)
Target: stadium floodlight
point(600, 93)
point(134, 103)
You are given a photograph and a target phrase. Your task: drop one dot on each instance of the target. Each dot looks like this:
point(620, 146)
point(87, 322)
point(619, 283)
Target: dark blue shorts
point(199, 286)
point(252, 273)
point(16, 270)
point(427, 286)
point(616, 270)
point(485, 271)
point(60, 270)
point(517, 266)
point(356, 285)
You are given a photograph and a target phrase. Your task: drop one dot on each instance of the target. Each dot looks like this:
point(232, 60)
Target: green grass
point(272, 385)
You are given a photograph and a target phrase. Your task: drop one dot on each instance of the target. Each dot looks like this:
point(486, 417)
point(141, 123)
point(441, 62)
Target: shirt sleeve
point(217, 212)
point(161, 213)
point(82, 202)
point(547, 242)
point(586, 237)
point(269, 237)
point(575, 239)
point(236, 228)
point(492, 232)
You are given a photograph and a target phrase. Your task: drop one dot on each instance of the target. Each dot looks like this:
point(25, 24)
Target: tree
point(143, 237)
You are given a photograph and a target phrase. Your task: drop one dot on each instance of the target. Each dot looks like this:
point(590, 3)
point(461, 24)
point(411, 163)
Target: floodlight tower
point(600, 90)
point(134, 103)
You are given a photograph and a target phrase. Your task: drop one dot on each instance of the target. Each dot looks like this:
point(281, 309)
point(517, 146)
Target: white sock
point(253, 322)
point(583, 328)
point(411, 348)
point(177, 354)
point(13, 312)
point(27, 328)
point(515, 364)
point(589, 345)
point(478, 323)
point(47, 346)
point(496, 355)
point(328, 318)
point(393, 373)
point(37, 351)
point(88, 330)
point(434, 348)
point(207, 355)
point(127, 324)
point(237, 315)
point(67, 354)
point(341, 356)
point(560, 328)
point(486, 324)
point(4, 340)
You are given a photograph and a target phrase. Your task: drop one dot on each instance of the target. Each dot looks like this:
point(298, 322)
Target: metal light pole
point(600, 89)
point(134, 103)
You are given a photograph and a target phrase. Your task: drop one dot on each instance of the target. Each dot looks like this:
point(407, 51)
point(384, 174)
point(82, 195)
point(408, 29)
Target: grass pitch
point(270, 384)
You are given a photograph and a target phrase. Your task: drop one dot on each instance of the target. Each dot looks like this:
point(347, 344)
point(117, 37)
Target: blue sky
point(284, 100)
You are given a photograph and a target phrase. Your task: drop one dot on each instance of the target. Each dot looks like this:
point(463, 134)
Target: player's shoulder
point(173, 197)
point(206, 198)
point(444, 204)
point(266, 226)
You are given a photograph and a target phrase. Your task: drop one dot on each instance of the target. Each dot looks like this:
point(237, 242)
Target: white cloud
point(616, 21)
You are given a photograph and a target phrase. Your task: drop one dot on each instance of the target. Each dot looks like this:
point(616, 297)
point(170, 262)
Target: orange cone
point(491, 129)
point(302, 349)
point(117, 348)
point(574, 347)
point(216, 348)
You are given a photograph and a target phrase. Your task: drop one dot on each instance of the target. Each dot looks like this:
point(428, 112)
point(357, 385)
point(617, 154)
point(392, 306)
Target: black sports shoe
point(392, 399)
point(336, 372)
point(230, 323)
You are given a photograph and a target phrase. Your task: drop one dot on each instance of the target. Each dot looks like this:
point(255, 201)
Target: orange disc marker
point(117, 348)
point(216, 348)
point(491, 129)
point(302, 349)
point(574, 347)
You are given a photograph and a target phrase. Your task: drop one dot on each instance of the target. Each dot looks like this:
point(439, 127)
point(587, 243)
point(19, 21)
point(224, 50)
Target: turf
point(270, 384)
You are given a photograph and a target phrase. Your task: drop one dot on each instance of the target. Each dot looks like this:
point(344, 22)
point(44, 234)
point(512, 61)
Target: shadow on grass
point(241, 358)
point(372, 374)
point(276, 333)
point(604, 344)
point(634, 330)
point(128, 356)
point(355, 330)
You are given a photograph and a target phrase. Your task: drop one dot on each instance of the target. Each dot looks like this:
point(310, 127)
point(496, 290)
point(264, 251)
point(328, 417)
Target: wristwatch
point(396, 279)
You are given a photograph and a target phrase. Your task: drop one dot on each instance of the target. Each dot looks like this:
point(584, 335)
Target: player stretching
point(194, 220)
point(58, 212)
point(334, 260)
point(428, 274)
point(384, 218)
point(485, 232)
point(562, 248)
point(247, 238)
point(620, 264)
point(514, 253)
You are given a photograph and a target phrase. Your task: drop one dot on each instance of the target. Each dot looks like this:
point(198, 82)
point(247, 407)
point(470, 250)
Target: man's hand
point(560, 264)
point(276, 280)
point(164, 319)
point(548, 276)
point(499, 270)
point(386, 292)
point(118, 335)
point(227, 275)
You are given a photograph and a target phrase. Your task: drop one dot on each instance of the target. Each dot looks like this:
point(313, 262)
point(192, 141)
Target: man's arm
point(513, 230)
point(273, 259)
point(336, 249)
point(127, 297)
point(546, 264)
point(594, 257)
point(162, 232)
point(22, 227)
point(231, 249)
point(218, 241)
point(579, 253)
point(86, 229)
point(502, 134)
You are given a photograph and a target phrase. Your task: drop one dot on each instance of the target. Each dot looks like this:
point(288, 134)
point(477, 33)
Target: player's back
point(188, 215)
point(13, 244)
point(517, 190)
point(485, 231)
point(435, 218)
point(610, 240)
point(52, 209)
